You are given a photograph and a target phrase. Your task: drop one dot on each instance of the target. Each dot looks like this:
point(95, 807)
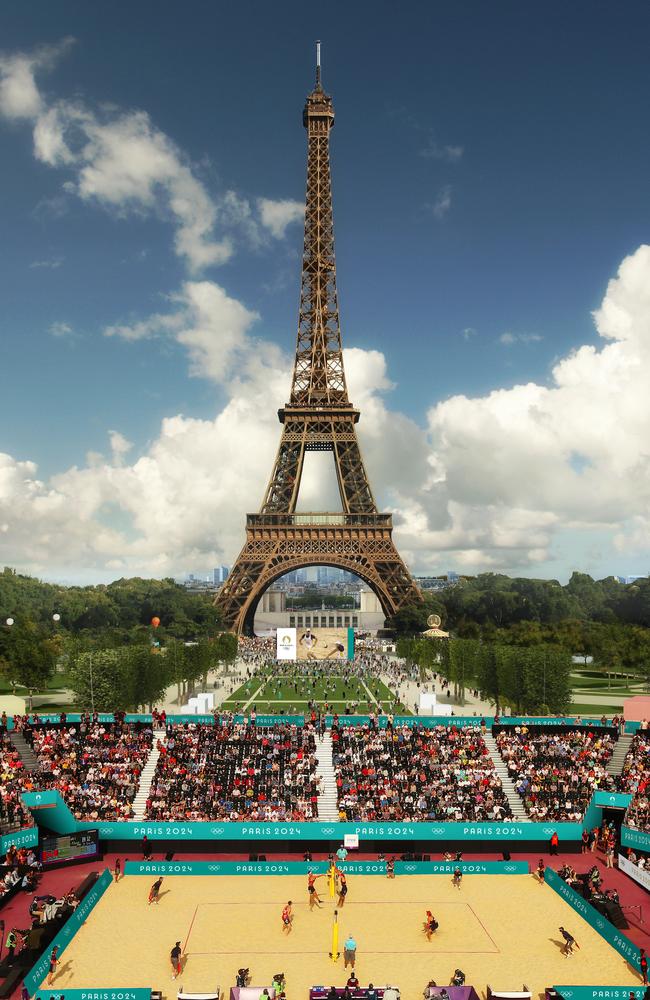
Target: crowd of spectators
point(556, 773)
point(96, 766)
point(13, 781)
point(410, 775)
point(635, 779)
point(237, 772)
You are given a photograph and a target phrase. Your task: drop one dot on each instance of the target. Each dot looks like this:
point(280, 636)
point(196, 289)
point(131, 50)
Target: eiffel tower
point(318, 417)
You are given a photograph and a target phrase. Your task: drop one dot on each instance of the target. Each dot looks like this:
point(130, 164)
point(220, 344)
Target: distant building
point(437, 582)
point(272, 613)
point(220, 574)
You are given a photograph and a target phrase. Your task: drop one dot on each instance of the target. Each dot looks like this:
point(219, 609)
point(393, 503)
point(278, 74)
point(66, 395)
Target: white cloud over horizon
point(488, 483)
point(120, 161)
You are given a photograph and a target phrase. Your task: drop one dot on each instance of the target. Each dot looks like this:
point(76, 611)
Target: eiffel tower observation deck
point(318, 417)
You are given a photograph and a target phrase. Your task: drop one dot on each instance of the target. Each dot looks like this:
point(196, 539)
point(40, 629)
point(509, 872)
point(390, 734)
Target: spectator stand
point(275, 819)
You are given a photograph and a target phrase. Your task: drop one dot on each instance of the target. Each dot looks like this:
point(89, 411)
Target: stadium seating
point(635, 779)
point(556, 773)
point(95, 766)
point(13, 814)
point(416, 775)
point(235, 772)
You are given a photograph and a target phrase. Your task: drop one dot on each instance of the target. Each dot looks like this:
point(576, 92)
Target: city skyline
point(490, 210)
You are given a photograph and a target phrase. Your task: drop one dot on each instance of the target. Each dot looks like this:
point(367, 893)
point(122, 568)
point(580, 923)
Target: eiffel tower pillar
point(318, 417)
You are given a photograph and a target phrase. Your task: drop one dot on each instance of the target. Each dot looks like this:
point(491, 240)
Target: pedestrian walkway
point(146, 776)
point(514, 800)
point(327, 806)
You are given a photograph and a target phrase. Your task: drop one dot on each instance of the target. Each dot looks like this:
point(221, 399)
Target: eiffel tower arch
point(318, 417)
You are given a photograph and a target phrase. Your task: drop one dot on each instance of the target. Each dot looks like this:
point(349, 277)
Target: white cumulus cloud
point(489, 482)
point(121, 161)
point(277, 215)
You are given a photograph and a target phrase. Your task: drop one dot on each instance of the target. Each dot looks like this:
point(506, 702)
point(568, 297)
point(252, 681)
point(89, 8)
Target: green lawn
point(594, 711)
point(283, 693)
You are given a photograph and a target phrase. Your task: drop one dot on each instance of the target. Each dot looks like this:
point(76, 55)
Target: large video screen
point(315, 643)
point(71, 847)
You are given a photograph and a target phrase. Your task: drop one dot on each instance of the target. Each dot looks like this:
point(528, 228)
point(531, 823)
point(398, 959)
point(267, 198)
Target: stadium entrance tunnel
point(324, 596)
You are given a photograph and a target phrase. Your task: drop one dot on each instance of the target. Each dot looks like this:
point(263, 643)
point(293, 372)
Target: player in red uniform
point(430, 925)
point(287, 918)
point(311, 889)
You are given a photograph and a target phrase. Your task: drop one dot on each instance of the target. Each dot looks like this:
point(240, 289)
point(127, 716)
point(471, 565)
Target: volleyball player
point(569, 942)
point(430, 925)
point(175, 957)
point(154, 891)
point(343, 889)
point(287, 918)
point(540, 871)
point(311, 889)
point(457, 878)
point(54, 961)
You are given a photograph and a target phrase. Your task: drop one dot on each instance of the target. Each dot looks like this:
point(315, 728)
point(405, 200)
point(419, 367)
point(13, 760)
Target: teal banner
point(21, 838)
point(322, 867)
point(225, 867)
point(272, 720)
point(51, 811)
point(635, 838)
point(614, 937)
point(611, 800)
point(599, 992)
point(97, 993)
point(38, 972)
point(335, 831)
point(426, 721)
point(461, 721)
point(466, 867)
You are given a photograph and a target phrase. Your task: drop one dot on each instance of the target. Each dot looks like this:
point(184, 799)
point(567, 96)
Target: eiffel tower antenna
point(318, 417)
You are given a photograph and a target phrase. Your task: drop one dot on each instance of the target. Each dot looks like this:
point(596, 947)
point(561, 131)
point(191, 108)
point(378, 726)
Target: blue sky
point(490, 169)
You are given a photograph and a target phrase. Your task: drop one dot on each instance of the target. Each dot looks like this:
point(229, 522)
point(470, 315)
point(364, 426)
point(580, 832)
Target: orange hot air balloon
point(155, 621)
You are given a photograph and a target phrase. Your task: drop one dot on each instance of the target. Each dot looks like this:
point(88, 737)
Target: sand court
point(499, 929)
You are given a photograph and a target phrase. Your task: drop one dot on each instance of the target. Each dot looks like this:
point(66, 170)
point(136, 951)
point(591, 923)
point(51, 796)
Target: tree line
point(133, 678)
point(532, 680)
point(133, 637)
point(606, 620)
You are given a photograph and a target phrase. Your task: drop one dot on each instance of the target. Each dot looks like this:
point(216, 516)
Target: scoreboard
point(80, 846)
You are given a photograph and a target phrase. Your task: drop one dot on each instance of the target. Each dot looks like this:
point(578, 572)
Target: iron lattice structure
point(318, 417)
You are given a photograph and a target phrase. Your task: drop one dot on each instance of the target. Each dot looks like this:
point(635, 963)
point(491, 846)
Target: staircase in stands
point(616, 761)
point(25, 752)
point(146, 777)
point(514, 800)
point(327, 807)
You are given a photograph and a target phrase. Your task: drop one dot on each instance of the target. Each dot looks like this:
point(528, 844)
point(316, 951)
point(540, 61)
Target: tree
point(102, 680)
point(546, 680)
point(412, 620)
point(29, 657)
point(460, 660)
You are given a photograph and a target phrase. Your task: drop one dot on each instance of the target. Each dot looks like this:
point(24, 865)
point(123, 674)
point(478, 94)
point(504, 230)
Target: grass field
point(291, 695)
